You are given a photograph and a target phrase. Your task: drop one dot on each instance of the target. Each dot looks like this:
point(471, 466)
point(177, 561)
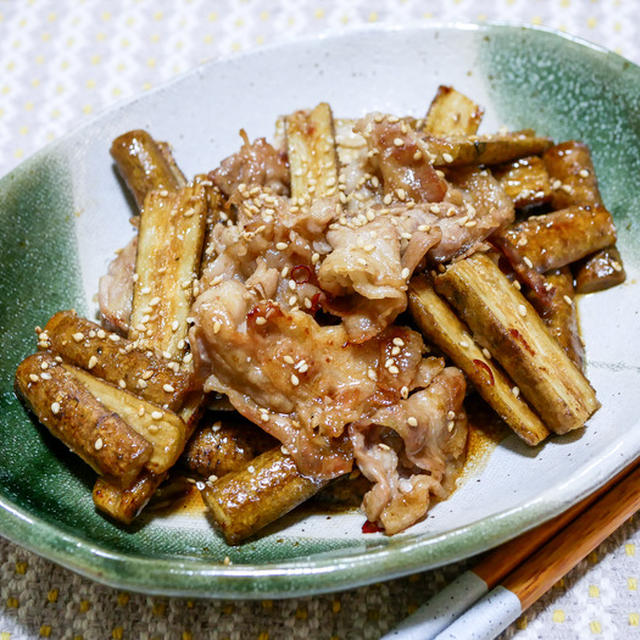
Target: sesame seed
point(447, 157)
point(371, 374)
point(528, 262)
point(216, 426)
point(471, 223)
point(398, 142)
point(522, 310)
point(424, 227)
point(114, 337)
point(315, 258)
point(292, 301)
point(395, 351)
point(251, 469)
point(295, 381)
point(450, 426)
point(399, 342)
point(200, 485)
point(284, 450)
point(216, 326)
point(412, 421)
point(141, 384)
point(33, 377)
point(303, 368)
point(394, 370)
point(157, 415)
point(168, 388)
point(153, 428)
point(55, 408)
point(261, 320)
point(281, 246)
point(101, 334)
point(405, 273)
point(404, 392)
point(583, 173)
point(78, 337)
point(567, 299)
point(98, 444)
point(383, 446)
point(292, 285)
point(417, 155)
point(516, 285)
point(45, 376)
point(387, 199)
point(464, 344)
point(212, 478)
point(389, 362)
point(174, 325)
point(515, 391)
point(486, 353)
point(401, 193)
point(288, 359)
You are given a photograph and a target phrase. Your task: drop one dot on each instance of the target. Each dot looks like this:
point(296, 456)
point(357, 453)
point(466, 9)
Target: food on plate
point(318, 308)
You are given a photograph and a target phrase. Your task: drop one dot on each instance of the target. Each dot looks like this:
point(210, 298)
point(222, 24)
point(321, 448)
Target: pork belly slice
point(115, 289)
point(299, 381)
point(255, 164)
point(412, 451)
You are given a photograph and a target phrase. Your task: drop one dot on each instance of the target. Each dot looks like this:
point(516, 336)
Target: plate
point(64, 212)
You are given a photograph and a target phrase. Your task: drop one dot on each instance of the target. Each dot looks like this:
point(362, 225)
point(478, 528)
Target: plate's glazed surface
point(63, 213)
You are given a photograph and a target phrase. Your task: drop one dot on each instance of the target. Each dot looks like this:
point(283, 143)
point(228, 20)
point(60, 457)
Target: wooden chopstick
point(443, 609)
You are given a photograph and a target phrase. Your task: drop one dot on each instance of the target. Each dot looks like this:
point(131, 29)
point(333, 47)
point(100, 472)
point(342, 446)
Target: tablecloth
point(63, 61)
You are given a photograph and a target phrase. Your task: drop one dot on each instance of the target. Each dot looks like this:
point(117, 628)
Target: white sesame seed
point(93, 361)
point(216, 326)
point(404, 392)
point(288, 359)
point(401, 193)
point(174, 325)
point(55, 408)
point(292, 301)
point(394, 370)
point(583, 173)
point(168, 388)
point(295, 381)
point(412, 421)
point(486, 353)
point(315, 258)
point(33, 377)
point(156, 415)
point(45, 376)
point(398, 142)
point(98, 444)
point(200, 485)
point(528, 262)
point(261, 320)
point(371, 374)
point(303, 368)
point(399, 342)
point(212, 478)
point(78, 337)
point(522, 310)
point(405, 273)
point(141, 384)
point(383, 446)
point(447, 157)
point(216, 426)
point(464, 344)
point(114, 337)
point(281, 246)
point(395, 351)
point(417, 155)
point(516, 285)
point(292, 285)
point(251, 469)
point(101, 334)
point(387, 199)
point(450, 426)
point(567, 299)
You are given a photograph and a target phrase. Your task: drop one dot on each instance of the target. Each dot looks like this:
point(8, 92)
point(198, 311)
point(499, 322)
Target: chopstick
point(444, 608)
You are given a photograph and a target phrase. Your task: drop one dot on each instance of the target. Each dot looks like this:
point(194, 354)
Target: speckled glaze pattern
point(70, 214)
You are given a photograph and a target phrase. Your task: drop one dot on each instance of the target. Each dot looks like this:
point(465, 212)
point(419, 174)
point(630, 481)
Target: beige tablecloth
point(63, 61)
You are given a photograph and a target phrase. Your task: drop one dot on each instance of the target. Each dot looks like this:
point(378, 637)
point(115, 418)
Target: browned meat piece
point(115, 289)
point(300, 382)
point(224, 444)
point(412, 451)
point(553, 240)
point(600, 271)
point(75, 416)
point(405, 170)
point(255, 165)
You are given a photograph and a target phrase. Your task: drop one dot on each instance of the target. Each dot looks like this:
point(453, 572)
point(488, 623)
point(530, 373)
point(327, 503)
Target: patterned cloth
point(63, 61)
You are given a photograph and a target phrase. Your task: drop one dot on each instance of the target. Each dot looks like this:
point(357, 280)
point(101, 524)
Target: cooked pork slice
point(366, 275)
point(115, 289)
point(299, 381)
point(397, 155)
point(412, 451)
point(256, 164)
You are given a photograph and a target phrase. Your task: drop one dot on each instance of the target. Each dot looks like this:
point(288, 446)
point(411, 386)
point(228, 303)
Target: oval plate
point(64, 212)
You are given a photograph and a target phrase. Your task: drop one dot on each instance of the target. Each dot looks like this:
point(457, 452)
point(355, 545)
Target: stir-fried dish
point(319, 307)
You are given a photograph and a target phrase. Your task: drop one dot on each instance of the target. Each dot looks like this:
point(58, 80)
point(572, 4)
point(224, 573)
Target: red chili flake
point(301, 274)
point(487, 369)
point(518, 336)
point(370, 527)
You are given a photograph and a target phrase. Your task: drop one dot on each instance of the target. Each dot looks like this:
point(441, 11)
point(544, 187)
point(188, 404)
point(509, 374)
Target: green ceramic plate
point(63, 213)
